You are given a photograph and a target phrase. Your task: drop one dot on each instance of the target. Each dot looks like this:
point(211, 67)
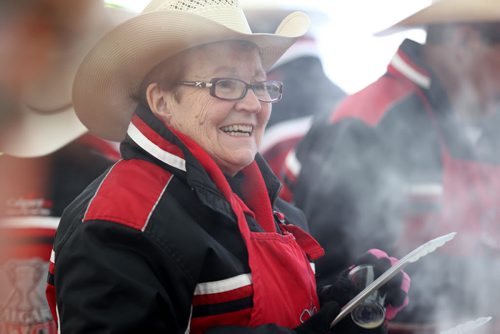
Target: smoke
point(362, 188)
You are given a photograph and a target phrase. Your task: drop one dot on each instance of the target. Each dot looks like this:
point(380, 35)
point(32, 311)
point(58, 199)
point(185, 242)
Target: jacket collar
point(149, 139)
point(408, 62)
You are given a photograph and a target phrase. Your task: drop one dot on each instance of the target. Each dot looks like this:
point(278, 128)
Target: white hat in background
point(265, 15)
point(450, 11)
point(46, 120)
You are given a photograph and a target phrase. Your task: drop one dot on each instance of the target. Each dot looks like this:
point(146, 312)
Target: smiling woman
point(182, 233)
point(228, 120)
point(186, 233)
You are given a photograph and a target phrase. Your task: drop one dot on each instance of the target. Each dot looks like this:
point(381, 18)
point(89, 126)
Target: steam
point(363, 192)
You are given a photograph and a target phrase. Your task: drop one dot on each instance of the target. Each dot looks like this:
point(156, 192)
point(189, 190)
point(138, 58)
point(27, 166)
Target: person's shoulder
point(128, 193)
point(371, 103)
point(124, 195)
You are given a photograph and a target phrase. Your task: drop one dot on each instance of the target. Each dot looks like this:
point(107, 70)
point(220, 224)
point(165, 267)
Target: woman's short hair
point(166, 74)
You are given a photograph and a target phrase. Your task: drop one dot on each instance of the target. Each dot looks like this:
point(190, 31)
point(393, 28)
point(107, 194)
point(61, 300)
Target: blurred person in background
point(29, 32)
point(415, 155)
point(308, 92)
point(187, 233)
point(48, 156)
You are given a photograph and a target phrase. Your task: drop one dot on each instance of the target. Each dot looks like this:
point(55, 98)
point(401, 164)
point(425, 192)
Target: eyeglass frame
point(212, 85)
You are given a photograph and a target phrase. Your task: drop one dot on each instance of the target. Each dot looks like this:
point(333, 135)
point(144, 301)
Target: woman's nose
point(250, 102)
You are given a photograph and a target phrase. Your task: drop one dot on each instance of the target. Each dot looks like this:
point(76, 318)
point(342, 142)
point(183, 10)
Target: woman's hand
point(343, 290)
point(396, 290)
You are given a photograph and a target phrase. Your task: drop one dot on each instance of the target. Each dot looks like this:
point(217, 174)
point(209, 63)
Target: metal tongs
point(413, 256)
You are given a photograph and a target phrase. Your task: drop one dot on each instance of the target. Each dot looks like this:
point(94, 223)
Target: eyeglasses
point(235, 89)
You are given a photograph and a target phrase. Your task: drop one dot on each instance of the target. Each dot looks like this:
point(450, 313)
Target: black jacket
point(155, 227)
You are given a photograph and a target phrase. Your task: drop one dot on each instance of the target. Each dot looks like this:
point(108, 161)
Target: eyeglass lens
point(237, 89)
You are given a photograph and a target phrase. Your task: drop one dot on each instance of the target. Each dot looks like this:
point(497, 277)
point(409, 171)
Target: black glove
point(320, 322)
point(396, 290)
point(341, 292)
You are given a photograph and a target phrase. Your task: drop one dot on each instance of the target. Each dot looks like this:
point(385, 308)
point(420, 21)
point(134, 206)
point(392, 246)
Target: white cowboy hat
point(265, 15)
point(46, 120)
point(450, 11)
point(113, 70)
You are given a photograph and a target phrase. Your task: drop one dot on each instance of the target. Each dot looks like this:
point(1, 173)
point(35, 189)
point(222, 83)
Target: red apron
point(283, 282)
point(284, 285)
point(471, 203)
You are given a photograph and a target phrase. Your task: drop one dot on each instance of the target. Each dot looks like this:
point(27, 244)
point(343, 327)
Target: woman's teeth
point(238, 130)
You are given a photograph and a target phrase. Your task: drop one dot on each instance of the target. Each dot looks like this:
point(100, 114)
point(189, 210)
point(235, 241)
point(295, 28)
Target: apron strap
point(310, 246)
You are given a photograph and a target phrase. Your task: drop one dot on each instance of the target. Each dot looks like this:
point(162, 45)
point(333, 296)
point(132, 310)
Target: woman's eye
point(227, 84)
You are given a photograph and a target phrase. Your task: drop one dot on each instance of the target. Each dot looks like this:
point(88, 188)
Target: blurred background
point(352, 56)
point(348, 34)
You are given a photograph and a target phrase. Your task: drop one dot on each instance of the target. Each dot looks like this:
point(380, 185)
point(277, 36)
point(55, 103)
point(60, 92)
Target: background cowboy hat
point(113, 70)
point(45, 119)
point(265, 15)
point(449, 11)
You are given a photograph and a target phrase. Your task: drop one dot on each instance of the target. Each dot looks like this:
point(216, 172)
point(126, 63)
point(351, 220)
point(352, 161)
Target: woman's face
point(229, 131)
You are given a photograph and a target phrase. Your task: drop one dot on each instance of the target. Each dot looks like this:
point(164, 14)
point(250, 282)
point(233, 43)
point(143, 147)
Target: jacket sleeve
point(110, 278)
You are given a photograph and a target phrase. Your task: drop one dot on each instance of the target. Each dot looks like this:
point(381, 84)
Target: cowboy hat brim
point(113, 70)
point(39, 128)
point(37, 134)
point(449, 11)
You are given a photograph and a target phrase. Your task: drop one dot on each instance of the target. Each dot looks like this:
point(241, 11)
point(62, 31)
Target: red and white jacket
point(153, 246)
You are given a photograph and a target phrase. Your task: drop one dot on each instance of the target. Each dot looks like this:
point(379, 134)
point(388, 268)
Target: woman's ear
point(157, 102)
